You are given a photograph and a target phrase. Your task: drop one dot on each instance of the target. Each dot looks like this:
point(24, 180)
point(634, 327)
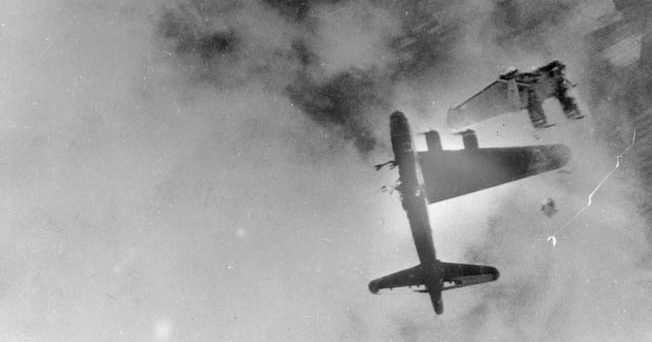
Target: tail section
point(437, 277)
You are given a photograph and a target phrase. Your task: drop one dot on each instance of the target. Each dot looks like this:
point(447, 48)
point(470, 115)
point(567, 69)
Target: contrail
point(590, 197)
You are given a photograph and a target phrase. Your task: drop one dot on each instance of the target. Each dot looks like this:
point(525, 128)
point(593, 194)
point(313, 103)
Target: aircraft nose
point(373, 287)
point(495, 273)
point(398, 119)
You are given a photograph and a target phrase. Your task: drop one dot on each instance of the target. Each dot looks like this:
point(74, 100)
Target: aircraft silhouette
point(447, 174)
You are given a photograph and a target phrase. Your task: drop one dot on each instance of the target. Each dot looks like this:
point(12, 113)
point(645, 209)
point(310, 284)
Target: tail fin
point(443, 276)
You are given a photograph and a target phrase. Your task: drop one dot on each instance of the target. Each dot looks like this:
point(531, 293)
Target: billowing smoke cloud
point(228, 44)
point(342, 102)
point(297, 10)
point(190, 39)
point(528, 24)
point(581, 288)
point(337, 61)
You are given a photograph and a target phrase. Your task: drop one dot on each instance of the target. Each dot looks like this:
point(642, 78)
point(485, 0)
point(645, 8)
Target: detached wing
point(498, 98)
point(459, 275)
point(413, 276)
point(449, 174)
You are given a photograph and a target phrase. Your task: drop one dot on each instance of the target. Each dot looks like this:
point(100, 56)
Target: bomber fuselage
point(413, 199)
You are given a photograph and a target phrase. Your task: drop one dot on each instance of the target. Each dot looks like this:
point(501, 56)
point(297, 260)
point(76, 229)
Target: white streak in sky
point(590, 197)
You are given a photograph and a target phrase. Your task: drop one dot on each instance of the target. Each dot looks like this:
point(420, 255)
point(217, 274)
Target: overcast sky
point(203, 171)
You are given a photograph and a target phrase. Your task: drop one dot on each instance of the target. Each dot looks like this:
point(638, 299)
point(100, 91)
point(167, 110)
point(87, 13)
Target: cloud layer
point(201, 170)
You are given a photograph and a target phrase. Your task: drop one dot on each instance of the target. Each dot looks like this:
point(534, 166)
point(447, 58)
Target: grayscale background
point(203, 170)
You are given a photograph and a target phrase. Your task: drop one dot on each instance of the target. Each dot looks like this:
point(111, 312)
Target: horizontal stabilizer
point(459, 275)
point(449, 174)
point(409, 277)
point(456, 275)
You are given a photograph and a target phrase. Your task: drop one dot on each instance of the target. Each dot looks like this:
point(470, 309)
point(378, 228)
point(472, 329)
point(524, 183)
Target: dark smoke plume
point(190, 38)
point(296, 10)
point(342, 102)
point(526, 23)
point(223, 52)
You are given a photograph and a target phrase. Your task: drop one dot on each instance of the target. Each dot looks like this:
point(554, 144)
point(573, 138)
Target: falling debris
point(392, 164)
point(590, 197)
point(389, 188)
point(516, 91)
point(548, 207)
point(552, 240)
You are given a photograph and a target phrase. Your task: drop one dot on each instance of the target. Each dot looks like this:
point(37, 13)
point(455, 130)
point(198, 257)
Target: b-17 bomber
point(448, 174)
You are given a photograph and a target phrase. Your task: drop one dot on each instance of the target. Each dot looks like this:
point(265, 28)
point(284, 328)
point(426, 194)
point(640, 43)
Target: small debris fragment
point(548, 207)
point(392, 164)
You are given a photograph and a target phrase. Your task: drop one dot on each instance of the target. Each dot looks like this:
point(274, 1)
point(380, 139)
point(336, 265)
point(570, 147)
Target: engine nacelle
point(433, 141)
point(470, 139)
